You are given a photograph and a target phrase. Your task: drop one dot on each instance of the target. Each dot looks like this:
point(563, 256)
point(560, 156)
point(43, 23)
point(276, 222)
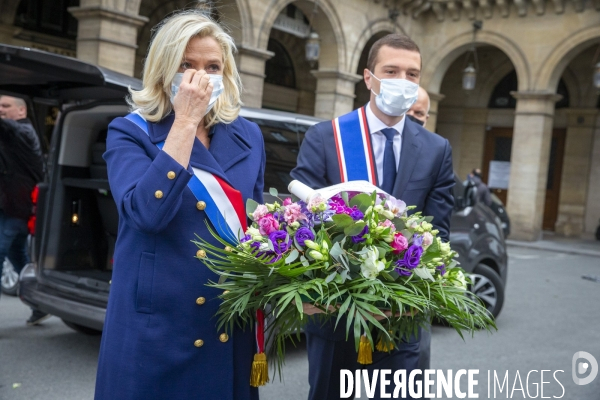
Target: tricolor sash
point(224, 204)
point(353, 145)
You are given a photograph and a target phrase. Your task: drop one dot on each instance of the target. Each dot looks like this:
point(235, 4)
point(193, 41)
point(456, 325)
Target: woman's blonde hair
point(165, 55)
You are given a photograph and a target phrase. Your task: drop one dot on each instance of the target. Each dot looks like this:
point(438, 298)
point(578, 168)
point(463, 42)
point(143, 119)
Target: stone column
point(472, 140)
point(576, 171)
point(435, 99)
point(107, 37)
point(592, 209)
point(335, 92)
point(251, 66)
point(529, 163)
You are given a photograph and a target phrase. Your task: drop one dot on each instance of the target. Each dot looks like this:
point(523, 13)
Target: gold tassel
point(365, 352)
point(386, 345)
point(260, 370)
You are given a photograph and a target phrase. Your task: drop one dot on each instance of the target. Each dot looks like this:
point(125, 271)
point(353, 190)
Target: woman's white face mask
point(396, 96)
point(216, 80)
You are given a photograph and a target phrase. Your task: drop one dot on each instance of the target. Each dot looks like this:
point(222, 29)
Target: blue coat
point(159, 307)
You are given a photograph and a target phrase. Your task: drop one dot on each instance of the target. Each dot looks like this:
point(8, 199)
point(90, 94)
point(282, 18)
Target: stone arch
point(556, 62)
point(487, 88)
point(435, 69)
point(232, 19)
point(383, 25)
point(8, 9)
point(326, 22)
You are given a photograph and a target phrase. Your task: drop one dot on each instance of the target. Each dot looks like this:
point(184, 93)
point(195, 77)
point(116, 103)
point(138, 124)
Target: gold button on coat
point(199, 343)
point(171, 175)
point(158, 194)
point(200, 254)
point(200, 300)
point(201, 205)
point(223, 337)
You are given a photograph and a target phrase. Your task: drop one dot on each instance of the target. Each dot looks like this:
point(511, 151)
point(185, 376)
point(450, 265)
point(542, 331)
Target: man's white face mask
point(396, 96)
point(218, 87)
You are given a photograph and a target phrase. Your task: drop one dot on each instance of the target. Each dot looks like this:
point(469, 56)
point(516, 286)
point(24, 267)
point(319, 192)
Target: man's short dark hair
point(476, 172)
point(394, 40)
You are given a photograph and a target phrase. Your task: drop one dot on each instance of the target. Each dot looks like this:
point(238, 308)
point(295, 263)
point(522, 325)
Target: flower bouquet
point(353, 252)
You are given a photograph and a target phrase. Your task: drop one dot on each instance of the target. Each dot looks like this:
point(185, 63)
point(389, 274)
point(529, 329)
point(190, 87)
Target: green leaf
point(423, 273)
point(345, 197)
point(251, 206)
point(399, 224)
point(331, 277)
point(355, 229)
point(292, 256)
point(428, 218)
point(362, 201)
point(273, 192)
point(342, 220)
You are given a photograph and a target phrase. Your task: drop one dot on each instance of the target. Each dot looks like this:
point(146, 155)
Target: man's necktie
point(389, 161)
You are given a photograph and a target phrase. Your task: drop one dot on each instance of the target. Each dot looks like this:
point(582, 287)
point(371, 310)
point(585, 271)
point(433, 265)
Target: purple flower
point(303, 233)
point(245, 238)
point(442, 269)
point(255, 246)
point(281, 241)
point(356, 214)
point(417, 240)
point(411, 259)
point(279, 217)
point(361, 236)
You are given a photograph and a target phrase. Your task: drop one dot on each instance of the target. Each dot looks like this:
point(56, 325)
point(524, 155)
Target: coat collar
point(409, 156)
point(227, 147)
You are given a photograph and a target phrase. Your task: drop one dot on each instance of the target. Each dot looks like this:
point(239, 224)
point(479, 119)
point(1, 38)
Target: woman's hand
point(193, 96)
point(190, 105)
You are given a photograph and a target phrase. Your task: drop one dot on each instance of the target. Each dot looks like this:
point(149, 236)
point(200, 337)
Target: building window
point(279, 69)
point(48, 16)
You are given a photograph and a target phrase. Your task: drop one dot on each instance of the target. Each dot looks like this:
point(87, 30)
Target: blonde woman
point(160, 338)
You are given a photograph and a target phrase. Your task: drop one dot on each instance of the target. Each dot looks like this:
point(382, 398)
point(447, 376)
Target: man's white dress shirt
point(378, 140)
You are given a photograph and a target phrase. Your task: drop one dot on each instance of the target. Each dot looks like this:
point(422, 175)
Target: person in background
point(483, 192)
point(21, 168)
point(419, 112)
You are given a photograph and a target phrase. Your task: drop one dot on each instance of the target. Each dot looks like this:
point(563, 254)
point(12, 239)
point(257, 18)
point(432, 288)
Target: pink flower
point(400, 243)
point(260, 212)
point(267, 224)
point(388, 224)
point(293, 212)
point(287, 201)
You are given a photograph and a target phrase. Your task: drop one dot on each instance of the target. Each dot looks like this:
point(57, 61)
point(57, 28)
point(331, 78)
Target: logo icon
point(583, 366)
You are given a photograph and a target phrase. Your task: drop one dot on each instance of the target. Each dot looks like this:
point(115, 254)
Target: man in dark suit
point(410, 163)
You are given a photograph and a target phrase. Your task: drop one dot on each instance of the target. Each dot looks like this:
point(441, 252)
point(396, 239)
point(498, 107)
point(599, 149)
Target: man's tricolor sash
point(224, 204)
point(353, 145)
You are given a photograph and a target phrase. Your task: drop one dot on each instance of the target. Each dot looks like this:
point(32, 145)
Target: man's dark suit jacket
point(425, 177)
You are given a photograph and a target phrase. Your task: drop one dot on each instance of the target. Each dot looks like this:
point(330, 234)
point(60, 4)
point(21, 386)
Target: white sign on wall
point(499, 174)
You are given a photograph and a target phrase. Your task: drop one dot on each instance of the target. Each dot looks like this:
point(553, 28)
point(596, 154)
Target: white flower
point(371, 266)
point(460, 280)
point(427, 239)
point(396, 207)
point(253, 232)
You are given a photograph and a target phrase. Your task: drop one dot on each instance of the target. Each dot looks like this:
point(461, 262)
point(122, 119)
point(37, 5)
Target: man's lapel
point(409, 156)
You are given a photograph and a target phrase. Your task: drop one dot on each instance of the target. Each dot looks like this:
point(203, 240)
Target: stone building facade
point(532, 122)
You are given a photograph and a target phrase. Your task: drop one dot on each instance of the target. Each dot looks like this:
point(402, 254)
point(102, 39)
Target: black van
point(71, 250)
